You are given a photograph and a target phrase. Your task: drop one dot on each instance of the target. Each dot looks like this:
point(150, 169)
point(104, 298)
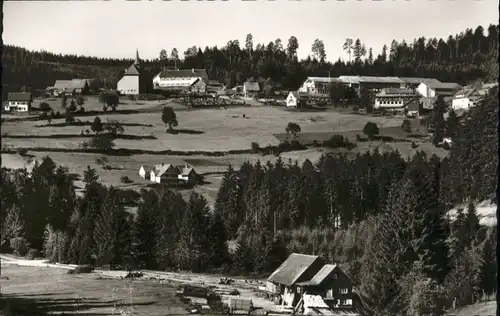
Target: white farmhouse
point(317, 85)
point(19, 102)
point(184, 79)
point(130, 83)
point(465, 99)
point(434, 89)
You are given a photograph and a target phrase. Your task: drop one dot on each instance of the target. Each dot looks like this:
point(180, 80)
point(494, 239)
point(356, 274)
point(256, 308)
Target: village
point(406, 95)
point(272, 159)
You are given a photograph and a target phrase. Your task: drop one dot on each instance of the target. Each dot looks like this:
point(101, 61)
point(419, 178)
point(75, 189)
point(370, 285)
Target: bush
point(255, 147)
point(358, 138)
point(414, 145)
point(19, 245)
point(45, 107)
point(33, 254)
point(446, 146)
point(338, 141)
point(370, 129)
point(125, 179)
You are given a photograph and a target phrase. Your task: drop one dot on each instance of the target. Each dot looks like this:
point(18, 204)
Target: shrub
point(370, 129)
point(255, 147)
point(338, 141)
point(125, 179)
point(355, 109)
point(33, 254)
point(19, 245)
point(446, 146)
point(358, 137)
point(45, 107)
point(414, 145)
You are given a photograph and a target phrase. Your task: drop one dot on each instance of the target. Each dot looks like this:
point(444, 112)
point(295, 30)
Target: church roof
point(132, 71)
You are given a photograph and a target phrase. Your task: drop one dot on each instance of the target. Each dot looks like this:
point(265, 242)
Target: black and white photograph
point(258, 158)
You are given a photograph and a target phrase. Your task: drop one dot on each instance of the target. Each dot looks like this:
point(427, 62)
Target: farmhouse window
point(344, 291)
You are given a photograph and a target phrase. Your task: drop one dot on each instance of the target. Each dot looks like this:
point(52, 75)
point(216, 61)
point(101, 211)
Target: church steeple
point(137, 60)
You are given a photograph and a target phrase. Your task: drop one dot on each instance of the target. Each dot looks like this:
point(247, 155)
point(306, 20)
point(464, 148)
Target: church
point(133, 81)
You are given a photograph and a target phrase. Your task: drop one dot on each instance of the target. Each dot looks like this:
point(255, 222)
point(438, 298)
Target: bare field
point(38, 291)
point(205, 129)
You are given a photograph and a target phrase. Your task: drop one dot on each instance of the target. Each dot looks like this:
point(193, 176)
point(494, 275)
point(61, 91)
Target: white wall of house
point(18, 106)
point(128, 85)
point(388, 103)
point(291, 100)
point(152, 176)
point(142, 172)
point(308, 86)
point(425, 91)
point(462, 103)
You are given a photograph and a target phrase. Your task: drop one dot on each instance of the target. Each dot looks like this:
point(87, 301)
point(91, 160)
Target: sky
point(116, 28)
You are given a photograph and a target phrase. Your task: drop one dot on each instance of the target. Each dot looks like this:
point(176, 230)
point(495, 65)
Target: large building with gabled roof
point(133, 81)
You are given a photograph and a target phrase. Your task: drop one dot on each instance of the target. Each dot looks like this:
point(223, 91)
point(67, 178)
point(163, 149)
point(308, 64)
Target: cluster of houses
point(306, 282)
point(406, 94)
point(169, 173)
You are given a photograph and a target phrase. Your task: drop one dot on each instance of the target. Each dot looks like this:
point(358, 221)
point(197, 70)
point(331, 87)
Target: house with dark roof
point(69, 87)
point(181, 80)
point(162, 173)
point(332, 284)
point(413, 82)
point(250, 89)
point(133, 81)
point(296, 268)
point(19, 102)
point(434, 89)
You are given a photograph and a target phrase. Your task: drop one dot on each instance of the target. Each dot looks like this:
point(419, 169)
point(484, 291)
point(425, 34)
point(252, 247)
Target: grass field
point(224, 129)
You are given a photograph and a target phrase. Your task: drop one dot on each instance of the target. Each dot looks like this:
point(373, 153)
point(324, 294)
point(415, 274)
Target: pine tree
point(191, 250)
point(438, 122)
point(216, 237)
point(172, 209)
point(145, 237)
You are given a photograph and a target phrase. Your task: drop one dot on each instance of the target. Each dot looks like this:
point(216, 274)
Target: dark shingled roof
point(132, 71)
point(412, 80)
point(185, 73)
point(291, 270)
point(321, 275)
point(443, 85)
point(19, 96)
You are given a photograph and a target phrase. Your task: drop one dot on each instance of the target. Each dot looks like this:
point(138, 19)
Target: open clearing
point(214, 129)
point(201, 129)
point(40, 290)
point(31, 287)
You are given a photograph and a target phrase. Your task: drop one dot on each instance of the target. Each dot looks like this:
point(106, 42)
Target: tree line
point(381, 216)
point(463, 58)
